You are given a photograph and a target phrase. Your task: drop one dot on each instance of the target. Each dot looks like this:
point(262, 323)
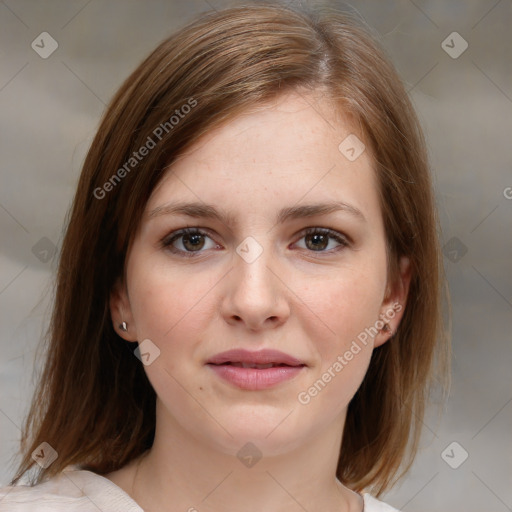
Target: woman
point(248, 302)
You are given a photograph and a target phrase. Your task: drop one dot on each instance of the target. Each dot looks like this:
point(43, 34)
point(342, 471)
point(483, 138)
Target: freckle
point(200, 388)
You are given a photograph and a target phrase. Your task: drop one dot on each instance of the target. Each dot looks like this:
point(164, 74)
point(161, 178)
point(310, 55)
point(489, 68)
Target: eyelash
point(167, 242)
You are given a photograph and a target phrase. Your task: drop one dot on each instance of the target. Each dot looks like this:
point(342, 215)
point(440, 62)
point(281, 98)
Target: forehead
point(283, 151)
point(293, 127)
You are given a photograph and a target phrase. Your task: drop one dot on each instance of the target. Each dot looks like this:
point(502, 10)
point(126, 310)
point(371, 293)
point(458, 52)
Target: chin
point(272, 430)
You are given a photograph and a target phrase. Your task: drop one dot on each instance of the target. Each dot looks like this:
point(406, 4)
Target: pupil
point(194, 241)
point(319, 241)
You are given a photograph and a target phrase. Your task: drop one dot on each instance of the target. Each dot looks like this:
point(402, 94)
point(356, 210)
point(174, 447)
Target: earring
point(123, 326)
point(388, 329)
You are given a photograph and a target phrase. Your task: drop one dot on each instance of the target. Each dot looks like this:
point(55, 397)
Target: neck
point(181, 472)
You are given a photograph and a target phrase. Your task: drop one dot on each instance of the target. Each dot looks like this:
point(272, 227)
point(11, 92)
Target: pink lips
point(255, 370)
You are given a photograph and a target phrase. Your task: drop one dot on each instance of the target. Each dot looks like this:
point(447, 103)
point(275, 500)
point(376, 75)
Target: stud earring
point(387, 329)
point(123, 326)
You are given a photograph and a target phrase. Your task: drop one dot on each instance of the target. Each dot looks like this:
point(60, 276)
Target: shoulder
point(372, 504)
point(73, 490)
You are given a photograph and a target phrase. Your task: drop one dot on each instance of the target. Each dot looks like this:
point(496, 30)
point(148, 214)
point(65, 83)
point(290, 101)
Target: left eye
point(318, 239)
point(192, 240)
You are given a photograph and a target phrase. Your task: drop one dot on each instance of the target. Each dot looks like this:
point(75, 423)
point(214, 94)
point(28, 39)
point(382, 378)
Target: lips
point(261, 359)
point(255, 371)
point(255, 366)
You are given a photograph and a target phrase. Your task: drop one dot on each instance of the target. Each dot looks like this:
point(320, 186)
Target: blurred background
point(61, 62)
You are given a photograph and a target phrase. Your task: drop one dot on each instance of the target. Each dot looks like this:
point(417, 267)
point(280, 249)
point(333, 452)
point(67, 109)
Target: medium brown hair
point(94, 404)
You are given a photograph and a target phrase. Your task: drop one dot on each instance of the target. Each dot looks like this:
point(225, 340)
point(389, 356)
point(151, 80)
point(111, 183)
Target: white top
point(76, 490)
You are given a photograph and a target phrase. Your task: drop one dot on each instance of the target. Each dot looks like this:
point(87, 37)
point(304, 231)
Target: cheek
point(340, 324)
point(343, 356)
point(344, 306)
point(166, 300)
point(171, 307)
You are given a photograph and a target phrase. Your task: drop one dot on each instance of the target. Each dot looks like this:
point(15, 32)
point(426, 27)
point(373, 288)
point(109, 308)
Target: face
point(283, 250)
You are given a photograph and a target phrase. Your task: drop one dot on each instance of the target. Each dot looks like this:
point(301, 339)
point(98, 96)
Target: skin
point(306, 301)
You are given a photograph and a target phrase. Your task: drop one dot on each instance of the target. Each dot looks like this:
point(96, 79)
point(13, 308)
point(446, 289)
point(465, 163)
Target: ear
point(393, 305)
point(120, 311)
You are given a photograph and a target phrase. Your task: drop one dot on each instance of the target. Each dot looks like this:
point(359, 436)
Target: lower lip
point(253, 379)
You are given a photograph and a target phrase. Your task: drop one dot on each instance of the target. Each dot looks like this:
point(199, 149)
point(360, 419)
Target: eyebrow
point(207, 211)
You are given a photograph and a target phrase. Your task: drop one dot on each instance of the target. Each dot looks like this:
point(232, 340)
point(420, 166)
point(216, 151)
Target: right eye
point(186, 242)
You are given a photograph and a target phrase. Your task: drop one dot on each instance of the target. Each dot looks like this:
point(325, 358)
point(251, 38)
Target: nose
point(255, 295)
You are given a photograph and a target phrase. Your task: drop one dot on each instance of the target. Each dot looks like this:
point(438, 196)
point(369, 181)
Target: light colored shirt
point(76, 490)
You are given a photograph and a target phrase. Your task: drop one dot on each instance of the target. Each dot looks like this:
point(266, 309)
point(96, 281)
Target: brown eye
point(193, 242)
point(186, 242)
point(317, 242)
point(319, 239)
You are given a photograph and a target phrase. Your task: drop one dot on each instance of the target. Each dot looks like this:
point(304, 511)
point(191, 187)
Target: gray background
point(50, 109)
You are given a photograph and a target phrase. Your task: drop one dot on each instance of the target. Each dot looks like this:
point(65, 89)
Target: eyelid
point(322, 230)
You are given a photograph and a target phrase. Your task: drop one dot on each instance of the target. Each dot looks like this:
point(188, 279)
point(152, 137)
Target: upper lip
point(265, 356)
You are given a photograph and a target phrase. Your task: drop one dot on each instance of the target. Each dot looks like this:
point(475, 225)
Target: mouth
point(254, 371)
point(256, 366)
point(261, 359)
